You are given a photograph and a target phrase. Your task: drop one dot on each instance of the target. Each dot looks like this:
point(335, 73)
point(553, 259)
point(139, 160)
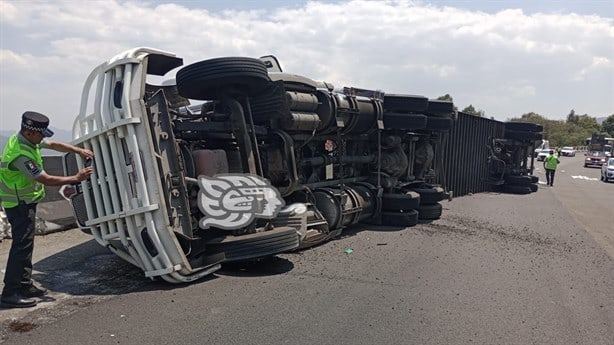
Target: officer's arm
point(53, 180)
point(36, 172)
point(64, 147)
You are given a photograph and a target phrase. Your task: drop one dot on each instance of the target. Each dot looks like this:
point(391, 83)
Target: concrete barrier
point(54, 213)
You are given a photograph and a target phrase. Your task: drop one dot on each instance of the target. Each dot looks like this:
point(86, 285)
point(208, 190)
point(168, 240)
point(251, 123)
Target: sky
point(506, 58)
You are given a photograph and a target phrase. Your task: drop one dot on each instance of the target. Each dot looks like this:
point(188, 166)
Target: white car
point(607, 170)
point(543, 154)
point(568, 151)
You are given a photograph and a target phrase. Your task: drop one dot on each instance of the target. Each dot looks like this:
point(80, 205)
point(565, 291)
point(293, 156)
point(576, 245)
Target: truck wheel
point(518, 180)
point(440, 108)
point(429, 195)
point(533, 187)
point(523, 127)
point(522, 135)
point(252, 246)
point(401, 218)
point(203, 80)
point(396, 202)
point(430, 212)
point(404, 121)
point(513, 189)
point(438, 123)
point(405, 103)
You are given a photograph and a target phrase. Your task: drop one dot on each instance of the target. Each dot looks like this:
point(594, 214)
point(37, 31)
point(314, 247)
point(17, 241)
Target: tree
point(572, 117)
point(608, 125)
point(530, 117)
point(472, 111)
point(445, 97)
point(588, 122)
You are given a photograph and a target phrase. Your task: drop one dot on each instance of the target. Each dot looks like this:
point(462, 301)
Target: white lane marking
point(585, 178)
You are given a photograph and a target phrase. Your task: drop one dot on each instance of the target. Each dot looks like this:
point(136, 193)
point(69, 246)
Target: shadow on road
point(89, 269)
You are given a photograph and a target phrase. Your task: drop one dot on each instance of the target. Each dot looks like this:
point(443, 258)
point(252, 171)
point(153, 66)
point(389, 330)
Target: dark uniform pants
point(18, 272)
point(550, 176)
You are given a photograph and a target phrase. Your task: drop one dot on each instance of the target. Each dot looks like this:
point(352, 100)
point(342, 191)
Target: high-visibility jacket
point(551, 162)
point(15, 186)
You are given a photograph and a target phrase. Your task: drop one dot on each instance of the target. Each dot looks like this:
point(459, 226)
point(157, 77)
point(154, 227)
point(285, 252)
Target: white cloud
point(506, 62)
point(599, 64)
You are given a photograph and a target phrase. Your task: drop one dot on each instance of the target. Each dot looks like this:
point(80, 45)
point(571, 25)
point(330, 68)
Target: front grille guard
point(124, 200)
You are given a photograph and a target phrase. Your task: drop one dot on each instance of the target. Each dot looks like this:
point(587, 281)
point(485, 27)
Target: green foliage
point(531, 117)
point(472, 111)
point(607, 126)
point(445, 97)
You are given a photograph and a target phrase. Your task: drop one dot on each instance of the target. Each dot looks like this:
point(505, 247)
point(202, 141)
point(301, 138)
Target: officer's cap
point(36, 122)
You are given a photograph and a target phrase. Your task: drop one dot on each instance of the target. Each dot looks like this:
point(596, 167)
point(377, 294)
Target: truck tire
point(404, 218)
point(440, 108)
point(430, 195)
point(522, 135)
point(533, 187)
point(523, 127)
point(430, 212)
point(518, 180)
point(514, 189)
point(404, 121)
point(405, 103)
point(252, 246)
point(203, 80)
point(440, 124)
point(397, 202)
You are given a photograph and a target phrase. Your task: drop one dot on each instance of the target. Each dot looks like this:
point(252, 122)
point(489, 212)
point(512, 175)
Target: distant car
point(607, 170)
point(543, 154)
point(595, 158)
point(568, 151)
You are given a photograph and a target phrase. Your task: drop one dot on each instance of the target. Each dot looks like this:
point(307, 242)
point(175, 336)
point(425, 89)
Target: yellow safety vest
point(551, 162)
point(15, 186)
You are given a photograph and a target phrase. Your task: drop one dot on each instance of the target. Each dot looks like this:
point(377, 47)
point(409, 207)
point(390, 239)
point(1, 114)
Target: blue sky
point(506, 58)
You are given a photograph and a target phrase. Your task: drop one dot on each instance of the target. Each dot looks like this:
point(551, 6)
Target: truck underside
point(237, 160)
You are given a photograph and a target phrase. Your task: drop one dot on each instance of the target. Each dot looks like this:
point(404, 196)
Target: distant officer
point(550, 164)
point(22, 186)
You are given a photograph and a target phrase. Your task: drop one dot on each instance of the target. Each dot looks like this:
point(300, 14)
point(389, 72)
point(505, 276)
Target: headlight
point(588, 159)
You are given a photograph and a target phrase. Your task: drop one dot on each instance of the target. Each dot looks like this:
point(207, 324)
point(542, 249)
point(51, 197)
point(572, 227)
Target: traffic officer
point(22, 186)
point(550, 164)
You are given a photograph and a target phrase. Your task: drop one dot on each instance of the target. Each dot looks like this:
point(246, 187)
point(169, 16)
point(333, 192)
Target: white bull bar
point(126, 200)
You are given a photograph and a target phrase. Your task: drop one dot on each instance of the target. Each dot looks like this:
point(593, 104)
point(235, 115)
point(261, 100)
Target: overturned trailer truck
point(236, 160)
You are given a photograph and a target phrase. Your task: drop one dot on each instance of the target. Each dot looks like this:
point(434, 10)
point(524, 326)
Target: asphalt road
point(496, 269)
